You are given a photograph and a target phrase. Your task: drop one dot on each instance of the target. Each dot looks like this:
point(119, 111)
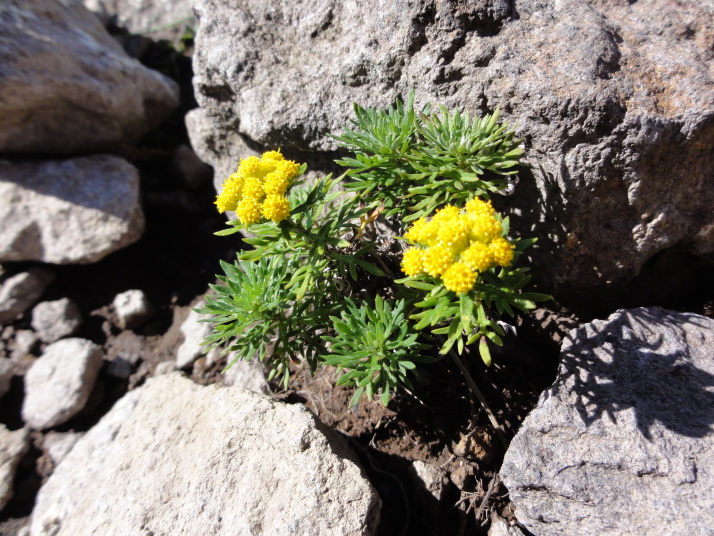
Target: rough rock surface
point(13, 446)
point(132, 309)
point(618, 125)
point(621, 443)
point(58, 384)
point(53, 320)
point(68, 211)
point(19, 292)
point(240, 465)
point(67, 86)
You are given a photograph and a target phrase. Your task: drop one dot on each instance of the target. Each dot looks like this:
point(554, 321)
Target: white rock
point(53, 320)
point(194, 332)
point(19, 292)
point(248, 374)
point(58, 384)
point(7, 370)
point(68, 211)
point(58, 444)
point(132, 308)
point(67, 86)
point(173, 457)
point(13, 446)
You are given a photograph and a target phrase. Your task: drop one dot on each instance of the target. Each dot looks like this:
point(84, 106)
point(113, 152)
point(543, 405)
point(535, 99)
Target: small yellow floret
point(415, 231)
point(253, 188)
point(437, 260)
point(477, 257)
point(502, 251)
point(249, 166)
point(273, 155)
point(290, 168)
point(248, 211)
point(413, 261)
point(484, 228)
point(230, 193)
point(459, 278)
point(276, 208)
point(477, 206)
point(276, 183)
point(453, 233)
point(447, 213)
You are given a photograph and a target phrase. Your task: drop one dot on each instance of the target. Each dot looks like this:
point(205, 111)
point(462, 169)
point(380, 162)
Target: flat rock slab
point(68, 211)
point(621, 444)
point(67, 86)
point(173, 457)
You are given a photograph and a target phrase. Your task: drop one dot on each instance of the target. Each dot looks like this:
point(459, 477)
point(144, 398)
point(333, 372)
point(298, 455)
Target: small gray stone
point(56, 319)
point(13, 446)
point(26, 341)
point(132, 309)
point(165, 367)
point(58, 444)
point(428, 477)
point(248, 374)
point(7, 370)
point(19, 292)
point(194, 333)
point(174, 457)
point(161, 19)
point(622, 440)
point(58, 384)
point(68, 211)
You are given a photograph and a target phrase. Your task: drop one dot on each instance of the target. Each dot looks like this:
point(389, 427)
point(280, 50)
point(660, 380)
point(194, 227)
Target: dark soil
point(441, 422)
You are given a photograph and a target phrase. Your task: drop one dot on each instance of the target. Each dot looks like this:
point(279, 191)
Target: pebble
point(53, 320)
point(58, 384)
point(132, 309)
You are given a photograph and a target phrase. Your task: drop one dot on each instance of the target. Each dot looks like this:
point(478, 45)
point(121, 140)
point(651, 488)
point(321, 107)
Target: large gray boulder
point(173, 457)
point(615, 102)
point(68, 211)
point(67, 86)
point(621, 443)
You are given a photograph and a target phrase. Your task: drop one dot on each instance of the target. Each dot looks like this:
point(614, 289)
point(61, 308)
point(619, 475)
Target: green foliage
point(419, 161)
point(376, 348)
point(254, 310)
point(295, 294)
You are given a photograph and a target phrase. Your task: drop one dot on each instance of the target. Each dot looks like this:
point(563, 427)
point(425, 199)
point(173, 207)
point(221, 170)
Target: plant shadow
point(648, 360)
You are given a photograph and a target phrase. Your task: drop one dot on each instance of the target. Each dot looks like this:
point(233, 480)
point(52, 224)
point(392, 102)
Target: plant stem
point(481, 398)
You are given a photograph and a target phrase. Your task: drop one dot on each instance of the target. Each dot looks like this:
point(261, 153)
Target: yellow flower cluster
point(257, 189)
point(456, 245)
